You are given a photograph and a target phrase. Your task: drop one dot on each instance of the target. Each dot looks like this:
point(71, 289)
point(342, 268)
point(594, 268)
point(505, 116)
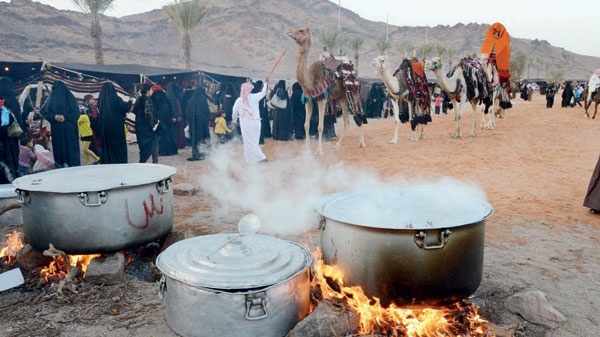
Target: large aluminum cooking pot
point(96, 208)
point(408, 246)
point(232, 285)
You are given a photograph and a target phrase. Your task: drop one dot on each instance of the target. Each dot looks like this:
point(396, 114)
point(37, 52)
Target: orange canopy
point(497, 40)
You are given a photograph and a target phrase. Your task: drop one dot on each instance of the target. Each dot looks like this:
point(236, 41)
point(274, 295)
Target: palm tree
point(383, 46)
point(331, 39)
point(450, 53)
point(186, 15)
point(355, 43)
point(404, 47)
point(441, 50)
point(426, 50)
point(94, 8)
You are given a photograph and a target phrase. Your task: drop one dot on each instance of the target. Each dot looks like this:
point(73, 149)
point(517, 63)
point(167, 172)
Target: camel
point(398, 88)
point(318, 86)
point(456, 87)
point(587, 103)
point(498, 93)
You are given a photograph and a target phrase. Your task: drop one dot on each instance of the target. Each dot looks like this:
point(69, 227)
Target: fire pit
point(419, 245)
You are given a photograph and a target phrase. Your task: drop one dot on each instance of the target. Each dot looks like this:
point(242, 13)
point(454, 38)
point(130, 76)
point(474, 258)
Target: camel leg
point(595, 110)
point(457, 118)
point(422, 126)
point(586, 105)
point(308, 107)
point(396, 110)
point(475, 113)
point(322, 104)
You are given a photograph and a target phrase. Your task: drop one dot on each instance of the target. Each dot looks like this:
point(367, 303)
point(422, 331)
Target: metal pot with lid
point(96, 208)
point(417, 245)
point(235, 285)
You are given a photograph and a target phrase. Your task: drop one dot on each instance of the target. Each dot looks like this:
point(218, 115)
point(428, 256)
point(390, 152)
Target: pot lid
point(94, 177)
point(7, 191)
point(233, 261)
point(415, 207)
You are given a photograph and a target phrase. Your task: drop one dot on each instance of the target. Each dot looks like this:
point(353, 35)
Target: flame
point(57, 269)
point(11, 246)
point(457, 320)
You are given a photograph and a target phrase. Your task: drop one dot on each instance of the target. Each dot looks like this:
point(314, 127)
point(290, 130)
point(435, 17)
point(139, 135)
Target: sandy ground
point(534, 168)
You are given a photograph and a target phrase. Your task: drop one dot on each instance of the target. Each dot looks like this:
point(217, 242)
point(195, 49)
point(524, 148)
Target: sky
point(570, 25)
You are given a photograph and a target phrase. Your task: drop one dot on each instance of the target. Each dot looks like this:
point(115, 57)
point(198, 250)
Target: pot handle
point(23, 197)
point(256, 300)
point(84, 199)
point(162, 287)
point(164, 186)
point(421, 239)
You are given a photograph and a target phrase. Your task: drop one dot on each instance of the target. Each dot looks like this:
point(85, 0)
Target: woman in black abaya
point(197, 116)
point(147, 138)
point(62, 111)
point(282, 116)
point(111, 114)
point(9, 146)
point(167, 118)
point(265, 121)
point(298, 111)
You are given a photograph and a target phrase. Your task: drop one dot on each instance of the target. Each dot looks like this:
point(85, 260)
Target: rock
point(109, 270)
point(330, 318)
point(534, 307)
point(31, 259)
point(184, 189)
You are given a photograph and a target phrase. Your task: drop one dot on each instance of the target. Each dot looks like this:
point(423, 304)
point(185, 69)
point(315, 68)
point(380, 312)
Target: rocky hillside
point(243, 38)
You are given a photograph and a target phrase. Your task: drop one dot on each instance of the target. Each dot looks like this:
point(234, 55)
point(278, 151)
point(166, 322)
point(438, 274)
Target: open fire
point(58, 270)
point(11, 246)
point(459, 319)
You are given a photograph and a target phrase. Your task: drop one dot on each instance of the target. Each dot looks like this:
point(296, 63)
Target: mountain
point(245, 38)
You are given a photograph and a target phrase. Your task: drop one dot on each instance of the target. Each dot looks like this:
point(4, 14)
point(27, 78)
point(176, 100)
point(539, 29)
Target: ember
point(58, 270)
point(460, 319)
point(11, 246)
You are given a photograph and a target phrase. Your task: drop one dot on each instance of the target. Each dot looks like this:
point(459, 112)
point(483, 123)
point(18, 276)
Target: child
point(85, 134)
point(26, 155)
point(438, 104)
point(221, 129)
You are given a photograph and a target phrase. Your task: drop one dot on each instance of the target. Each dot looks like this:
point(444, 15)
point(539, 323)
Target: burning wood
point(65, 267)
point(11, 246)
point(460, 319)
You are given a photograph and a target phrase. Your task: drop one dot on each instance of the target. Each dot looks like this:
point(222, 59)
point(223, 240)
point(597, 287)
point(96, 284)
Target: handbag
point(14, 129)
point(278, 102)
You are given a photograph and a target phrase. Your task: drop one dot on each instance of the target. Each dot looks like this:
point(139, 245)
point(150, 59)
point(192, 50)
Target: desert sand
point(534, 168)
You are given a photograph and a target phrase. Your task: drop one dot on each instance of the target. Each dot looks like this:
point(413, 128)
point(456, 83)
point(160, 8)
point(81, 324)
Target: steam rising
point(286, 193)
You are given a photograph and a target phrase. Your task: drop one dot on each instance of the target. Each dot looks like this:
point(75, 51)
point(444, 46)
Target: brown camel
point(318, 86)
point(587, 103)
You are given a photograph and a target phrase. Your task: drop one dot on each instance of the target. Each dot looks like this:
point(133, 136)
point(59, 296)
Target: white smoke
point(286, 192)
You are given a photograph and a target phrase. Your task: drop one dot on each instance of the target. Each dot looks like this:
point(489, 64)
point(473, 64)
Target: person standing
point(221, 130)
point(197, 115)
point(89, 101)
point(567, 95)
point(166, 129)
point(145, 123)
point(85, 135)
point(246, 108)
point(282, 112)
point(550, 92)
point(9, 146)
point(62, 111)
point(175, 95)
point(112, 110)
point(265, 119)
point(592, 196)
point(438, 104)
point(26, 155)
point(298, 111)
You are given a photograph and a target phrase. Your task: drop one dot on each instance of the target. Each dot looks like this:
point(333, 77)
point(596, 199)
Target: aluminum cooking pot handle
point(421, 239)
point(84, 199)
point(23, 197)
point(258, 301)
point(162, 287)
point(164, 186)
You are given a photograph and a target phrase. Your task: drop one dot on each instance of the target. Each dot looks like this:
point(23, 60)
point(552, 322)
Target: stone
point(184, 189)
point(533, 306)
point(109, 270)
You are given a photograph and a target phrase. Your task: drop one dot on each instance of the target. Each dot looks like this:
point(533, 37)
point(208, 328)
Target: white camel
point(498, 93)
point(456, 87)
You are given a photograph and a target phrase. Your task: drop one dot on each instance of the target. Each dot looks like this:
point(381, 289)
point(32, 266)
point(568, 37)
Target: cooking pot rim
point(349, 207)
point(94, 177)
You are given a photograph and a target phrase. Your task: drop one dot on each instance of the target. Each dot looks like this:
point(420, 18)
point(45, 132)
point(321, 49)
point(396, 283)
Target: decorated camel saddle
point(475, 78)
point(412, 72)
point(341, 70)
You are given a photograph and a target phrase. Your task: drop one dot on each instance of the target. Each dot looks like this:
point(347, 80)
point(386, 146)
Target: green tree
point(95, 8)
point(404, 47)
point(440, 50)
point(186, 15)
point(331, 39)
point(450, 53)
point(426, 50)
point(517, 65)
point(554, 75)
point(355, 43)
point(383, 46)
